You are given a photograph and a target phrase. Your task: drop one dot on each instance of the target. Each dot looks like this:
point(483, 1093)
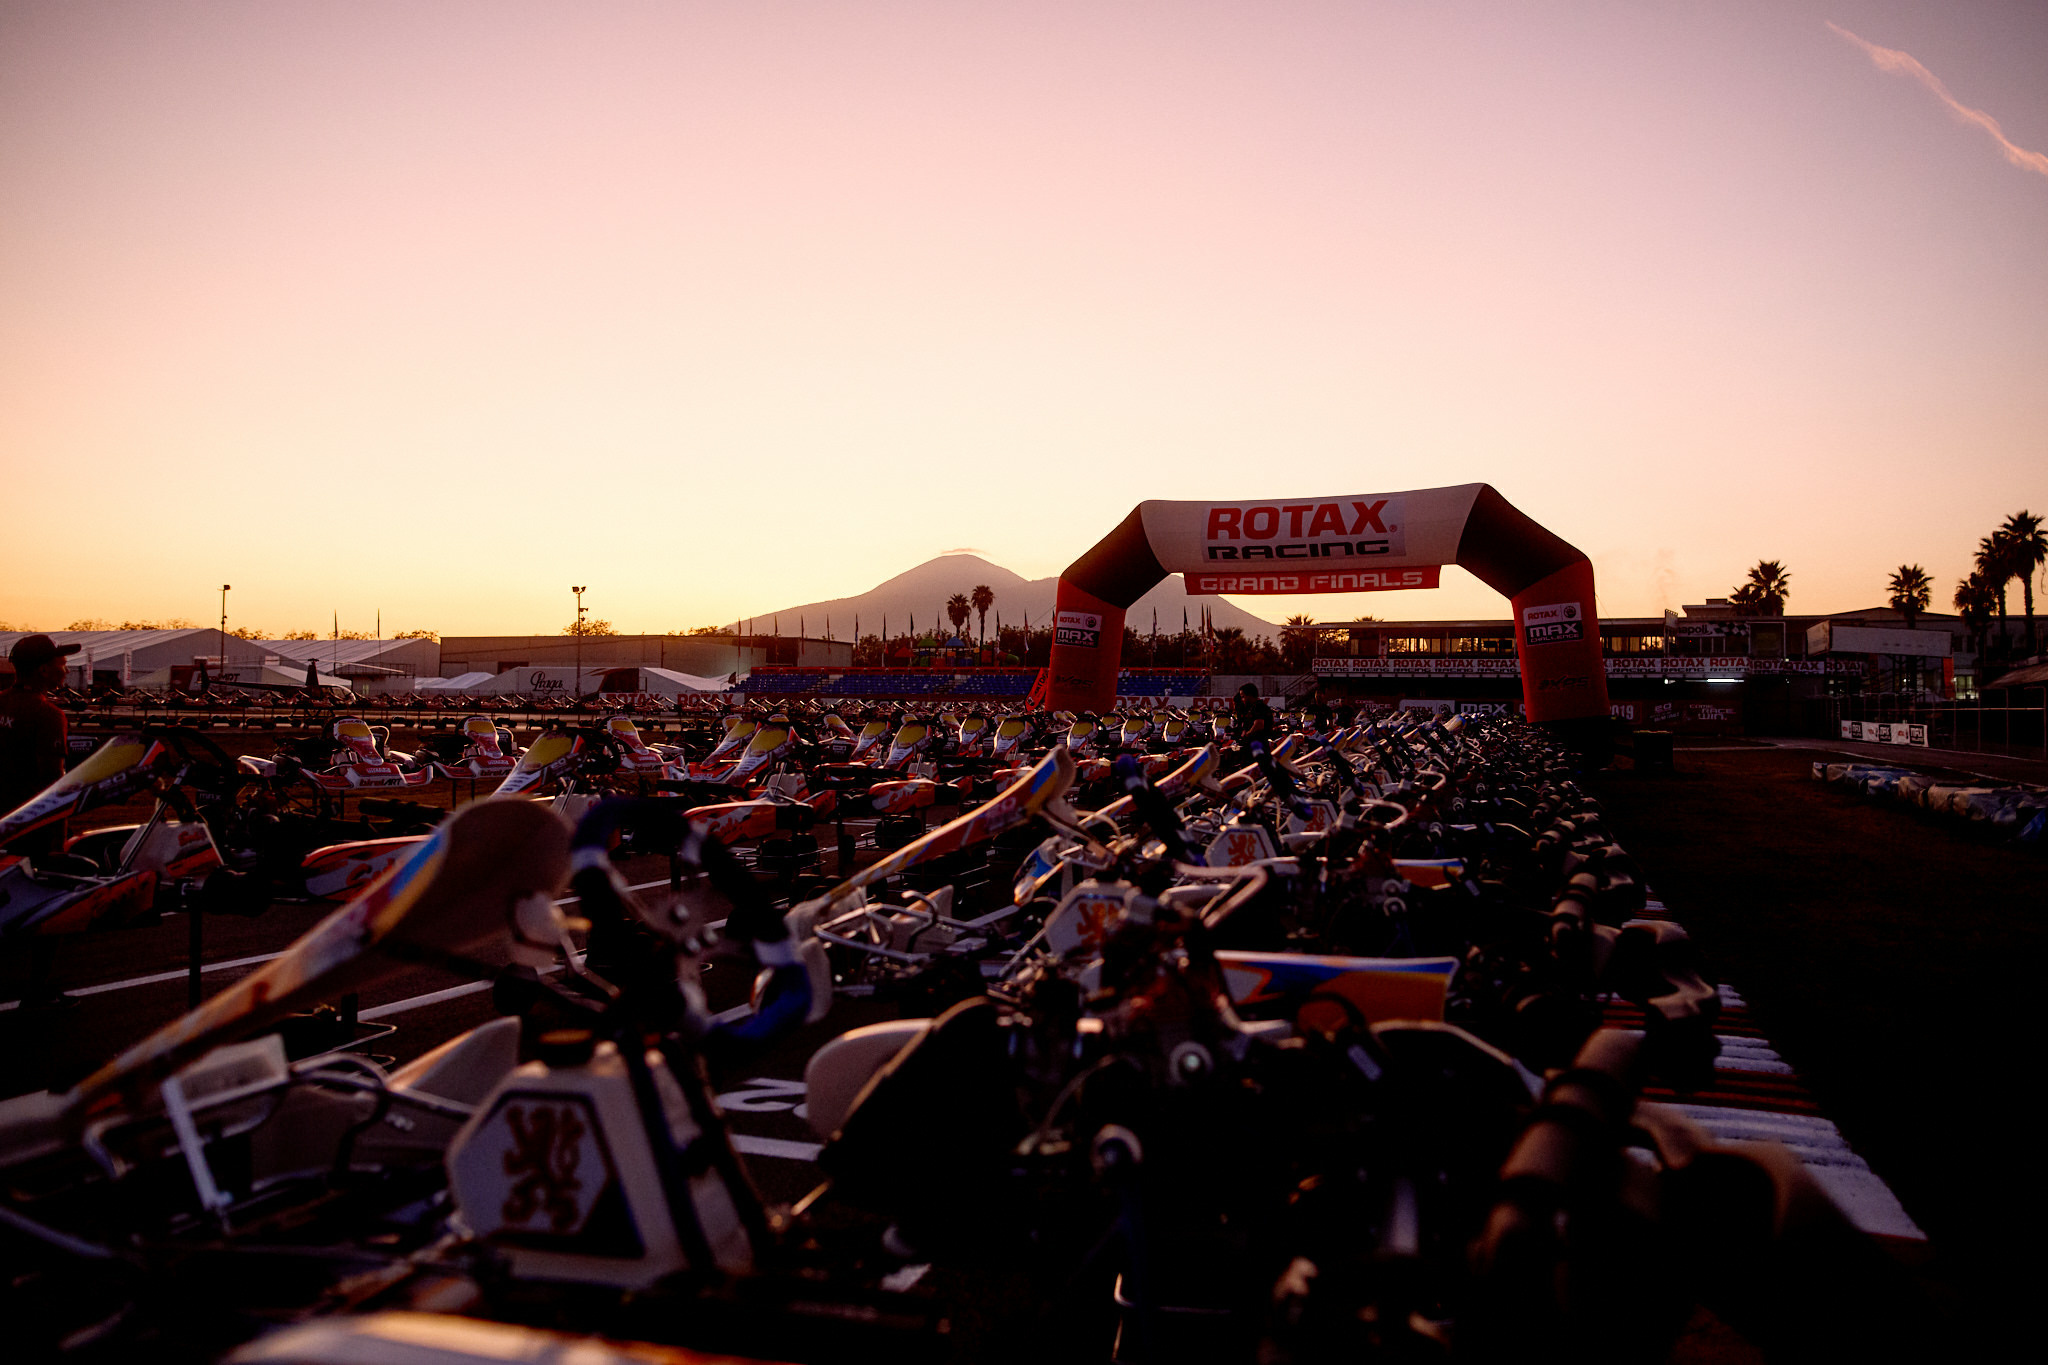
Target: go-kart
point(481, 752)
point(1012, 735)
point(633, 757)
point(350, 759)
point(74, 890)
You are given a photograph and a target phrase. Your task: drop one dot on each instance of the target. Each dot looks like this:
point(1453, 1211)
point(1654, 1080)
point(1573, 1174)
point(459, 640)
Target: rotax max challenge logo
point(1083, 628)
point(1556, 624)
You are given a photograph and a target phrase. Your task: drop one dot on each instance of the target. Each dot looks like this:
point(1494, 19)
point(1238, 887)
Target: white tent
point(544, 681)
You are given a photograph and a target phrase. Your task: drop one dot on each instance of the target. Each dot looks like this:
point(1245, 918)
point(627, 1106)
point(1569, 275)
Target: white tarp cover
point(666, 682)
point(461, 682)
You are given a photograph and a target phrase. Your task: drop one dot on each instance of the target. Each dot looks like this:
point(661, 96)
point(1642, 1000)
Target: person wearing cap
point(32, 733)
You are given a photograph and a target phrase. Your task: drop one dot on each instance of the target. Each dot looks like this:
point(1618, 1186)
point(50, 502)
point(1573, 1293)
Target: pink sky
point(437, 309)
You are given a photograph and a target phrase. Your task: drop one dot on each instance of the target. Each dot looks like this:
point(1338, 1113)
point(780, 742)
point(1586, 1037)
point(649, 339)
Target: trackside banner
point(1369, 542)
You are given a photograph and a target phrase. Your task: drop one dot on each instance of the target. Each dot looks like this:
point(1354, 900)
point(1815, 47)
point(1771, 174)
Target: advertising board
point(1886, 732)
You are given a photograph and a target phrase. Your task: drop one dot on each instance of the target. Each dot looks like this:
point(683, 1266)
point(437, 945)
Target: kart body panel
point(738, 731)
point(894, 798)
point(1011, 735)
point(50, 903)
point(770, 742)
point(459, 893)
point(340, 869)
point(552, 755)
point(122, 765)
point(1379, 988)
point(730, 821)
point(483, 755)
point(870, 737)
point(634, 755)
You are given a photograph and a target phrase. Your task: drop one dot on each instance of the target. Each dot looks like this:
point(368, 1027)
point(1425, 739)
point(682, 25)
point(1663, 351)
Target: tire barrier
point(2016, 813)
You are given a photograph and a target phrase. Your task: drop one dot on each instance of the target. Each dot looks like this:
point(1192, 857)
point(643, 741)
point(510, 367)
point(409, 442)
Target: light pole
point(579, 644)
point(224, 627)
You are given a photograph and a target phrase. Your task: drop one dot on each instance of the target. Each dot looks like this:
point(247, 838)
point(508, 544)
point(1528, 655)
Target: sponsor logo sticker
point(1083, 628)
point(1554, 624)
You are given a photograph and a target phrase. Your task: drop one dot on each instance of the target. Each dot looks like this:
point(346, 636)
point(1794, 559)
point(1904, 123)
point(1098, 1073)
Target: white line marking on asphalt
point(415, 1002)
point(781, 1147)
point(155, 978)
point(422, 1001)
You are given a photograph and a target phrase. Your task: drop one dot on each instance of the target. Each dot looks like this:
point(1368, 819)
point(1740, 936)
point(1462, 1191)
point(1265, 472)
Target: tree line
point(2012, 553)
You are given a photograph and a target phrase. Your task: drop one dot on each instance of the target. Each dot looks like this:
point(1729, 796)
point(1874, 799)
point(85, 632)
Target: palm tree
point(1994, 566)
point(957, 609)
point(1911, 590)
point(1973, 602)
point(1229, 643)
point(1765, 593)
point(2026, 549)
point(983, 598)
point(1298, 640)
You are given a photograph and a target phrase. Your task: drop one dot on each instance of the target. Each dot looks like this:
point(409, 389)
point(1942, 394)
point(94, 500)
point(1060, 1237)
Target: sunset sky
point(437, 308)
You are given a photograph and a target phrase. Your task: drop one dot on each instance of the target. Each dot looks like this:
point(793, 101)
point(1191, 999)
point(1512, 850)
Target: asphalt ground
point(1895, 960)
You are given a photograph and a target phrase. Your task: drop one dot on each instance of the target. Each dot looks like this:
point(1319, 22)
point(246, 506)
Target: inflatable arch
point(1339, 544)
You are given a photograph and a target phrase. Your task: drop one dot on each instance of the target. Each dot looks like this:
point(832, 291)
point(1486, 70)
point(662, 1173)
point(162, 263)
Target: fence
point(2016, 726)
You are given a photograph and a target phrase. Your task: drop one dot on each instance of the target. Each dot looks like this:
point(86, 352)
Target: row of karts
point(1183, 1050)
point(278, 825)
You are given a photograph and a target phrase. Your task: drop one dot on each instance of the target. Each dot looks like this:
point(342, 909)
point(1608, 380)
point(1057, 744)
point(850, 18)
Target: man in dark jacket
point(1250, 717)
point(32, 733)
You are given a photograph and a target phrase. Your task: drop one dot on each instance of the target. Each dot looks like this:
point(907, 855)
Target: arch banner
point(1350, 543)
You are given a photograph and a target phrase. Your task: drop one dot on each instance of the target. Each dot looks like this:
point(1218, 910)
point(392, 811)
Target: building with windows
point(1703, 668)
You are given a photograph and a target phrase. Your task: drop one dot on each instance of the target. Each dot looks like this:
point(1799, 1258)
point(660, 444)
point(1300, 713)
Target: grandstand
point(982, 684)
point(1162, 682)
point(787, 682)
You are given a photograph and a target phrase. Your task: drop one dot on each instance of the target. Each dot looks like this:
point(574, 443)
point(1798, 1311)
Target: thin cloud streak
point(1891, 59)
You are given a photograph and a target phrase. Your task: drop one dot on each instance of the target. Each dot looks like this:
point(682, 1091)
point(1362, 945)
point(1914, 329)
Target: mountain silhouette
point(920, 595)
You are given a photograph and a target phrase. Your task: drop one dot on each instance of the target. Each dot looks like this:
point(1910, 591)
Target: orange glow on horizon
point(433, 310)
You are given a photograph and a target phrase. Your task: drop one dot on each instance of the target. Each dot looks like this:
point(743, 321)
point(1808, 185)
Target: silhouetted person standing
point(32, 734)
point(1250, 717)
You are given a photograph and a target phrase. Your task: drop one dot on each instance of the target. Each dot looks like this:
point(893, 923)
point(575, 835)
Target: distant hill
point(920, 594)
